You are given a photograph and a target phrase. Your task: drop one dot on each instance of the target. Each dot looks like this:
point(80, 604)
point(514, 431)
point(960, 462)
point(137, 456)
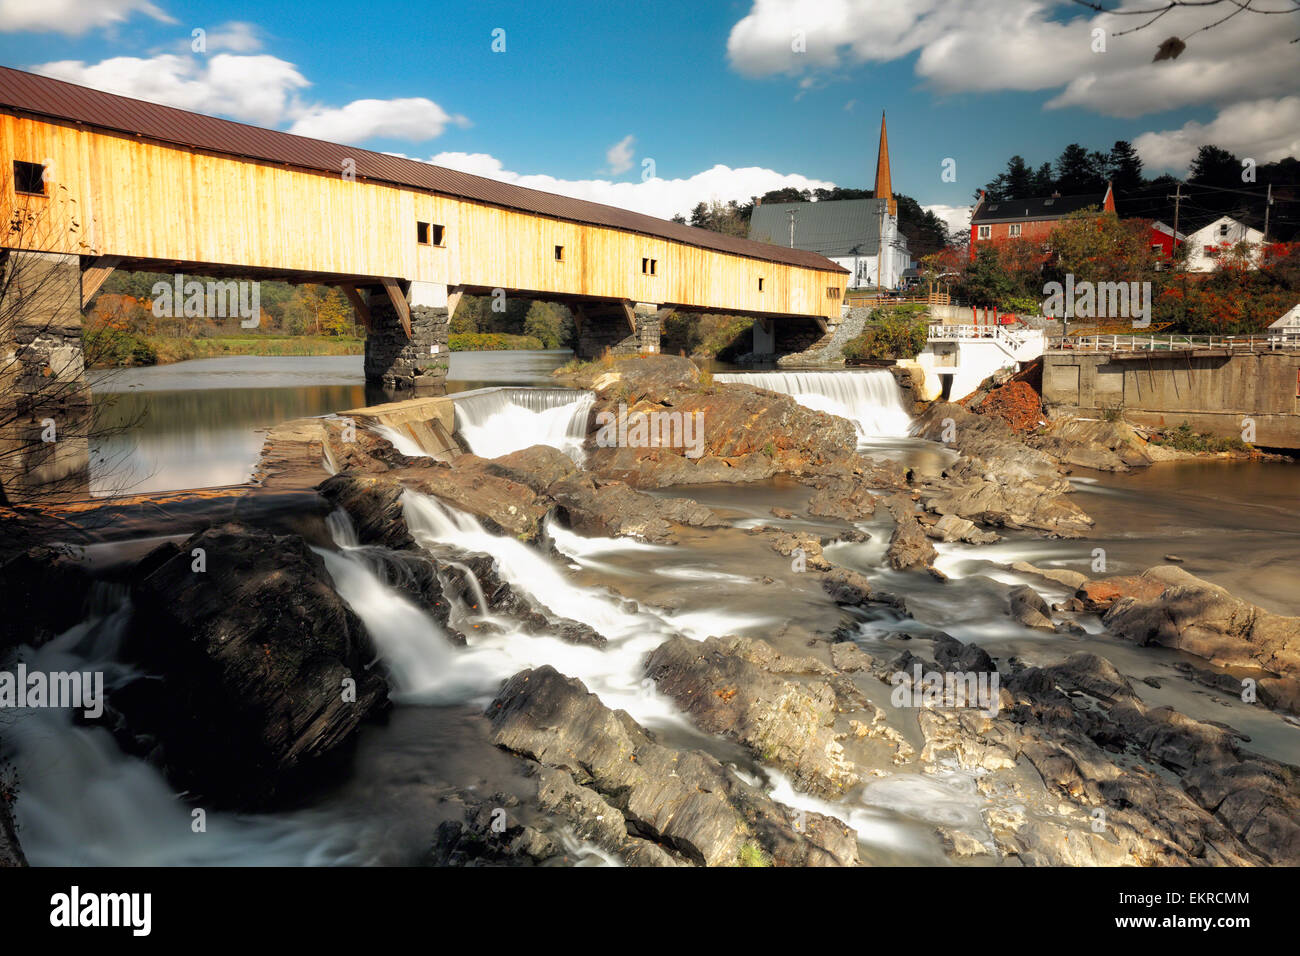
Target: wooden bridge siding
point(141, 199)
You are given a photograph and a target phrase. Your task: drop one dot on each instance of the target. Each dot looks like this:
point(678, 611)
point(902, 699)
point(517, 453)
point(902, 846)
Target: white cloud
point(415, 119)
point(72, 17)
point(236, 36)
point(257, 89)
point(656, 197)
point(956, 218)
point(1263, 130)
point(1034, 45)
point(619, 156)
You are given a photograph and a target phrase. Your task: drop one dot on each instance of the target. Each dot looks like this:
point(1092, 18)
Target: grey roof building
point(837, 229)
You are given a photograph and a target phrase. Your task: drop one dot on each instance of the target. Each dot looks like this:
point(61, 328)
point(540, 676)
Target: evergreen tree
point(1077, 171)
point(1215, 167)
point(1125, 167)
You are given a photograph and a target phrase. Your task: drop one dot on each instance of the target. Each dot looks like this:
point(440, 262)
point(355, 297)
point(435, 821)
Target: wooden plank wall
point(139, 199)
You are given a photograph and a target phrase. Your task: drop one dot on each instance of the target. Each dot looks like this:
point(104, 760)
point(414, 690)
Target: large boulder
point(257, 670)
point(1092, 443)
point(909, 546)
point(997, 480)
point(684, 801)
point(1193, 615)
point(735, 687)
point(44, 589)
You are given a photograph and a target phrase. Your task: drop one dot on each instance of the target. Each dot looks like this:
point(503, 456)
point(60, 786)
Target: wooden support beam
point(453, 300)
point(629, 313)
point(93, 276)
point(398, 298)
point(359, 307)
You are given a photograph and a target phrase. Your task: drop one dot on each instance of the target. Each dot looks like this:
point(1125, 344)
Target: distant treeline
point(1218, 184)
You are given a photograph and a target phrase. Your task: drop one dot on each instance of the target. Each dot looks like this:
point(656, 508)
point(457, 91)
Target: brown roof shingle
point(43, 96)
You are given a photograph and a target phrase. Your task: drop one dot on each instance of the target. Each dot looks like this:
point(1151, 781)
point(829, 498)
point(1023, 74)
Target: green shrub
point(491, 342)
point(1183, 438)
point(893, 333)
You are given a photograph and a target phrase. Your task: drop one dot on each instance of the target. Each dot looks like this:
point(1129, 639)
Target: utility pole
point(1268, 207)
point(1177, 197)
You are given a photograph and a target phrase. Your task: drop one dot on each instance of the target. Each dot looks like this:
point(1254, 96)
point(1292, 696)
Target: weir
point(870, 398)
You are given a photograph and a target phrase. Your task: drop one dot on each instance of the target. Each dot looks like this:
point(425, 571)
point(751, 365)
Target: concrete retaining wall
point(1213, 393)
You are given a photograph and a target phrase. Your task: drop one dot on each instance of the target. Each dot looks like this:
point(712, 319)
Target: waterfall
point(414, 647)
point(870, 399)
point(503, 649)
point(498, 421)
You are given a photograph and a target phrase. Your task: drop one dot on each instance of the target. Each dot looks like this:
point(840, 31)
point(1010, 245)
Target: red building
point(1028, 218)
point(1163, 240)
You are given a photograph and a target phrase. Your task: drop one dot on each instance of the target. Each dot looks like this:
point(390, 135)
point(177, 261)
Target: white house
point(1205, 244)
point(1287, 328)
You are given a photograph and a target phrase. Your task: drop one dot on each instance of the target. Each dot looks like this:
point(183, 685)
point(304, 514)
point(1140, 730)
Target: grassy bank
point(491, 342)
point(164, 350)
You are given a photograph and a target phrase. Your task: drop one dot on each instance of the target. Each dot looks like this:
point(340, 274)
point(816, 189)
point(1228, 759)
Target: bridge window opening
point(649, 266)
point(832, 292)
point(29, 178)
point(760, 283)
point(422, 233)
point(439, 234)
point(559, 253)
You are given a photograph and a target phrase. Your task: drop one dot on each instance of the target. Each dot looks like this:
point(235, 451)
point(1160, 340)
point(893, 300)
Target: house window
point(422, 233)
point(760, 283)
point(648, 266)
point(438, 234)
point(1223, 229)
point(1014, 229)
point(559, 253)
point(985, 232)
point(29, 178)
point(1157, 248)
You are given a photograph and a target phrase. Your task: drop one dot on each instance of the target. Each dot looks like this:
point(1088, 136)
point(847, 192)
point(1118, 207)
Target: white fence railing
point(1278, 342)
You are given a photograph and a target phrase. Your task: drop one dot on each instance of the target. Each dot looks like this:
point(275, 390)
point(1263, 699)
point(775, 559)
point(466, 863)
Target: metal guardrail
point(1178, 343)
point(873, 298)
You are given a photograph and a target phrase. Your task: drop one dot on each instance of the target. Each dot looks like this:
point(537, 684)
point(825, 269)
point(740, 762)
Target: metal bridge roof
point(28, 93)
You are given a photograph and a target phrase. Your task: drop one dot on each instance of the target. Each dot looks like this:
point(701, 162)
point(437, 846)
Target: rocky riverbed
point(624, 720)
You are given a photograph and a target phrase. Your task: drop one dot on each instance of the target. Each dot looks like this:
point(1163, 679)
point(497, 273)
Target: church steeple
point(884, 188)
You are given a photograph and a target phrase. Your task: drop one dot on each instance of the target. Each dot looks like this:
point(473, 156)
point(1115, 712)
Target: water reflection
point(201, 424)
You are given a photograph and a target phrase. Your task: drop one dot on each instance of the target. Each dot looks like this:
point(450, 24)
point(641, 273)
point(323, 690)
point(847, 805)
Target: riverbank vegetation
point(891, 333)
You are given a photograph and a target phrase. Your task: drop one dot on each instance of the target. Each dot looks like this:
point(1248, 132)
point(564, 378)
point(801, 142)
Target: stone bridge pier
point(45, 408)
point(406, 334)
point(622, 328)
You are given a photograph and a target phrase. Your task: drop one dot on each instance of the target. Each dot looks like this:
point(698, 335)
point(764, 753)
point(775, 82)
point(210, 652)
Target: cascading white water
point(414, 647)
point(496, 652)
point(869, 398)
point(502, 420)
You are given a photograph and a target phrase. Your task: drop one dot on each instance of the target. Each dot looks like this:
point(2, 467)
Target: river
point(85, 801)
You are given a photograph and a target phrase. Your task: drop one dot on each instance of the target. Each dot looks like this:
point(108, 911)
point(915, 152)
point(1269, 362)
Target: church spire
point(884, 188)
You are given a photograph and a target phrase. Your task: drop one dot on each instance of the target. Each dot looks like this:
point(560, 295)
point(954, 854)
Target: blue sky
point(696, 85)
